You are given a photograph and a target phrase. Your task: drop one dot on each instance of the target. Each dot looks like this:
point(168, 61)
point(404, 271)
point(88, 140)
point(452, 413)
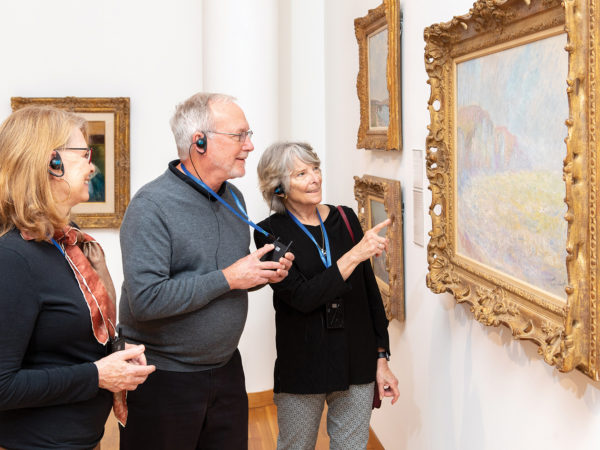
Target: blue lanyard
point(227, 205)
point(58, 246)
point(325, 257)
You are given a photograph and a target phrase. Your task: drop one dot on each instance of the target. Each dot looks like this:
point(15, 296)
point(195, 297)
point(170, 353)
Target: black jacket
point(312, 358)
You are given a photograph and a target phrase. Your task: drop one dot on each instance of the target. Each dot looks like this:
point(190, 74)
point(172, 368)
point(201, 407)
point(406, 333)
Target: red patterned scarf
point(102, 308)
point(86, 259)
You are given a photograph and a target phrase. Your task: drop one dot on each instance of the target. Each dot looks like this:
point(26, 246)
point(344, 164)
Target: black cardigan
point(49, 395)
point(311, 358)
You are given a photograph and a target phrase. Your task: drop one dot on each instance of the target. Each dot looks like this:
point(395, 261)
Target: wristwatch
point(385, 355)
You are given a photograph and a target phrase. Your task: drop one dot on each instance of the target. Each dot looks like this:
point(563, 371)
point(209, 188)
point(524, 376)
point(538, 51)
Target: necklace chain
point(323, 250)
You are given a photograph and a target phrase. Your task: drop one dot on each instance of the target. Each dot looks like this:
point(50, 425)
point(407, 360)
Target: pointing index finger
point(380, 226)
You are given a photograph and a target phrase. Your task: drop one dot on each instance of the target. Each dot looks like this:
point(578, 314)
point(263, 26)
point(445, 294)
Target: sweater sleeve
point(21, 387)
point(380, 322)
point(152, 292)
point(307, 294)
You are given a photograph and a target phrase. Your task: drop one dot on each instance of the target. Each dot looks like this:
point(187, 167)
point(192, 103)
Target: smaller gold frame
point(367, 190)
point(114, 112)
point(386, 15)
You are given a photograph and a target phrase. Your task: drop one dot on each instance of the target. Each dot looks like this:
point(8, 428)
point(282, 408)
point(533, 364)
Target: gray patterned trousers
point(348, 417)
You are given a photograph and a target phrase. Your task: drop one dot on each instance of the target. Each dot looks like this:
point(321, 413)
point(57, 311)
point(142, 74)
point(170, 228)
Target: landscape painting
point(378, 199)
point(378, 215)
point(379, 101)
point(509, 174)
point(378, 83)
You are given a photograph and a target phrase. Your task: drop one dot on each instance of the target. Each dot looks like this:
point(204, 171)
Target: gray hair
point(275, 167)
point(194, 115)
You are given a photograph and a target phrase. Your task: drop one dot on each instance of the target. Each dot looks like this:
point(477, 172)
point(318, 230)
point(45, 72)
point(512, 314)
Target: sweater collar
point(183, 177)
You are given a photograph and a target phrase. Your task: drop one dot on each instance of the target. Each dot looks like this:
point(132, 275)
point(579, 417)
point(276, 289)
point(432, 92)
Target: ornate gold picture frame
point(471, 147)
point(378, 199)
point(108, 135)
point(378, 82)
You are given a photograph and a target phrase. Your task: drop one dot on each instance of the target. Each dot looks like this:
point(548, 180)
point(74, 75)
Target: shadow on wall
point(471, 430)
point(441, 383)
point(525, 354)
point(411, 424)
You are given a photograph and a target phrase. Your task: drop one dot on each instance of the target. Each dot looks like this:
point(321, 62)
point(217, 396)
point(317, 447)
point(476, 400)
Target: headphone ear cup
point(201, 145)
point(56, 163)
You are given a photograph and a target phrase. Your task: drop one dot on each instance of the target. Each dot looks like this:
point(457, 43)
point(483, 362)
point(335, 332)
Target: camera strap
point(224, 203)
point(326, 258)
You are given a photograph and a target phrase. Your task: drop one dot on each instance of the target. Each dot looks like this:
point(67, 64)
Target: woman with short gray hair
point(331, 329)
point(274, 166)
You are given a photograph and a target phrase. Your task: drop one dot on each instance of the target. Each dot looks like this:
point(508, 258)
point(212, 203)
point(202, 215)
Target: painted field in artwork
point(511, 109)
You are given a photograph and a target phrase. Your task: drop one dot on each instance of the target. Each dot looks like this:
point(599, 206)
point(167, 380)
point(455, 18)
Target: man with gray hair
point(187, 268)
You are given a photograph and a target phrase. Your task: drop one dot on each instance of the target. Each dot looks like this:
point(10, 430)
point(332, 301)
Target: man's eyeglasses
point(241, 137)
point(88, 152)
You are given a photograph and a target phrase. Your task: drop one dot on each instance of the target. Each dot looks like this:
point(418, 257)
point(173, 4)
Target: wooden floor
point(262, 427)
point(262, 431)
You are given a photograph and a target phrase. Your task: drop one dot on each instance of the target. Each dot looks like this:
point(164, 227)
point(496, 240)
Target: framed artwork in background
point(380, 198)
point(509, 82)
point(378, 83)
point(108, 135)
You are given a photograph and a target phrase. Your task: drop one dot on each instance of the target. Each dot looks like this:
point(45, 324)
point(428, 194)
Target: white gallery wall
point(137, 49)
point(464, 386)
point(293, 66)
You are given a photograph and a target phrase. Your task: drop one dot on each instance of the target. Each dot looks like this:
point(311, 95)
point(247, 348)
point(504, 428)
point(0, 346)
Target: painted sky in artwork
point(377, 65)
point(517, 87)
point(511, 108)
point(379, 112)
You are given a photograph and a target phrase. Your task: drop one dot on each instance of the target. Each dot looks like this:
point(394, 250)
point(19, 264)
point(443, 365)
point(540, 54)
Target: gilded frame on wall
point(380, 198)
point(108, 120)
point(564, 324)
point(379, 76)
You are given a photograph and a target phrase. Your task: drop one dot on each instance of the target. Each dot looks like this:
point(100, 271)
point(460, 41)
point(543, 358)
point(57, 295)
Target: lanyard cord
point(57, 245)
point(325, 255)
point(227, 205)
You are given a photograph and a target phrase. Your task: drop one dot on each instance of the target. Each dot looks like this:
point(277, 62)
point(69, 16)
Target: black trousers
point(189, 410)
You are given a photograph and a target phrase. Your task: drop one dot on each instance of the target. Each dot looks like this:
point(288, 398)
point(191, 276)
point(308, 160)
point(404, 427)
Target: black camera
point(334, 314)
point(278, 252)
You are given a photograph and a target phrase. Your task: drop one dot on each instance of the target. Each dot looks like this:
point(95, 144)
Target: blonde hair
point(27, 138)
point(276, 165)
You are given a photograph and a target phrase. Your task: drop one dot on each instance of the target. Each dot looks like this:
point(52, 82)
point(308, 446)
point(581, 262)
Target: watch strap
point(385, 355)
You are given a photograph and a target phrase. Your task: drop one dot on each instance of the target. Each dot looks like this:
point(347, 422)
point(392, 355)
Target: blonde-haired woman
point(58, 379)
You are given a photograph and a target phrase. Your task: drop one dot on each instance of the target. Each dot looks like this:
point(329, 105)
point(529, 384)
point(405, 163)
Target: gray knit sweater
point(175, 300)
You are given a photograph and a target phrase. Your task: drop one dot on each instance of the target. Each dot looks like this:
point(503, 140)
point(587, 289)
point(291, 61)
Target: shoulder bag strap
point(343, 214)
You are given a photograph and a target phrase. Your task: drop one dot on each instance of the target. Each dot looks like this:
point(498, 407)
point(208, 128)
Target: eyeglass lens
point(87, 150)
point(245, 134)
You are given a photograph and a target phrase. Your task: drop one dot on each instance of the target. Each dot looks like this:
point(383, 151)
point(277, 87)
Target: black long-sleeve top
point(49, 395)
point(312, 358)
